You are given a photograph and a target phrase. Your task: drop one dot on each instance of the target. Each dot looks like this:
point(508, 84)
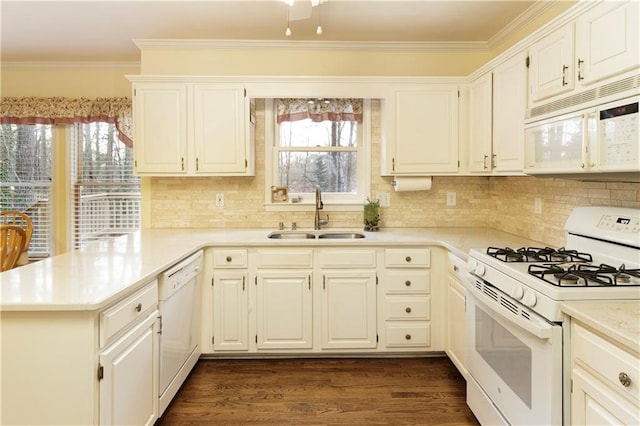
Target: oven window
point(508, 357)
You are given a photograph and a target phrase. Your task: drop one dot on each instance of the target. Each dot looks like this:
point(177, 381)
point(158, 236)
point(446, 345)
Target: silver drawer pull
point(138, 307)
point(407, 283)
point(229, 259)
point(408, 258)
point(408, 310)
point(408, 337)
point(625, 380)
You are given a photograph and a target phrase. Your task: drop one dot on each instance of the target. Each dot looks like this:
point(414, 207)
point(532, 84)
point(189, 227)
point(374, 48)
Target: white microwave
point(598, 140)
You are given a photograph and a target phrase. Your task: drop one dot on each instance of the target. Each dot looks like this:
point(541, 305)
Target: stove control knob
point(530, 299)
point(472, 265)
point(480, 270)
point(517, 292)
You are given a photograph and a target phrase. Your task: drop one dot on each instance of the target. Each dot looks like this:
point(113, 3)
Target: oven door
point(514, 360)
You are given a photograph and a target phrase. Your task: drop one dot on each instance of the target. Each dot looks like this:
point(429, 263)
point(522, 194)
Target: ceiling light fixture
point(314, 3)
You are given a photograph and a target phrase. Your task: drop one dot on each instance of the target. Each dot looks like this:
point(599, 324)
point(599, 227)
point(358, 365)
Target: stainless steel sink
point(291, 235)
point(342, 235)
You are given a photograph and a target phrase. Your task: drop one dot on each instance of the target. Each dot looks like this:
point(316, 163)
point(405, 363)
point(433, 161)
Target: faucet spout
point(319, 206)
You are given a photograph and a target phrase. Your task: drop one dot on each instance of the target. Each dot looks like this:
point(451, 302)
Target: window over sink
point(314, 142)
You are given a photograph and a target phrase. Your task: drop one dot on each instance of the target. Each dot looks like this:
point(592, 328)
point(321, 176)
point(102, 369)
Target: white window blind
point(106, 194)
point(25, 179)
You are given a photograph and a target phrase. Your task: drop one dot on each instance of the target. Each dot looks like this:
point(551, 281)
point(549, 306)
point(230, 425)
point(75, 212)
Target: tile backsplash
point(504, 203)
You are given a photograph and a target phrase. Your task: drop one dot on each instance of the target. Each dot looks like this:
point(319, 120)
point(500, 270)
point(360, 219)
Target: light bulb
point(287, 32)
point(319, 30)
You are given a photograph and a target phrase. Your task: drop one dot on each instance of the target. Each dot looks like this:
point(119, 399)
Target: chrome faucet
point(319, 206)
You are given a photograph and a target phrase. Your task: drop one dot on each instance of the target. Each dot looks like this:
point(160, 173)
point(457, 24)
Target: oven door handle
point(534, 325)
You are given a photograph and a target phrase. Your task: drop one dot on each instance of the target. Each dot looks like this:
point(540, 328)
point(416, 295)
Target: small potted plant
point(372, 215)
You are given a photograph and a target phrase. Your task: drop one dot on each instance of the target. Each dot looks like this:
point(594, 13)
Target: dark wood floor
point(416, 391)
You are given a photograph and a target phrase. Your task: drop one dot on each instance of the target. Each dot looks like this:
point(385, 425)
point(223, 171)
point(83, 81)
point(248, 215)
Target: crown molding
point(148, 44)
point(523, 19)
point(67, 65)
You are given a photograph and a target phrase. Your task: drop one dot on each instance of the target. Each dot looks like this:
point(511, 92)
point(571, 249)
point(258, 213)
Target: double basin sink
point(312, 235)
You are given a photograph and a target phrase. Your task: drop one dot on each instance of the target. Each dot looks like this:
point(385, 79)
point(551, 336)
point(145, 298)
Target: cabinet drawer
point(408, 308)
point(283, 258)
point(407, 258)
point(606, 360)
point(457, 267)
point(346, 258)
point(118, 317)
point(407, 281)
point(230, 259)
point(410, 335)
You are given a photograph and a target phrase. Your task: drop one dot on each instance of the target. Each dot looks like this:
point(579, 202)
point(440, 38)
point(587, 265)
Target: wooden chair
point(14, 217)
point(12, 243)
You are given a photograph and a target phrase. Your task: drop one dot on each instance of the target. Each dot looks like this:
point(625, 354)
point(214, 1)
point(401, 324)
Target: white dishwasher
point(179, 306)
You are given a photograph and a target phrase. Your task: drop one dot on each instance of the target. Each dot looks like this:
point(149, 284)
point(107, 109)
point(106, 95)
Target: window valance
point(323, 109)
point(58, 110)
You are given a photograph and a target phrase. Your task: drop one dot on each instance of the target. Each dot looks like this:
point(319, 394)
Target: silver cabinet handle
point(564, 75)
point(625, 380)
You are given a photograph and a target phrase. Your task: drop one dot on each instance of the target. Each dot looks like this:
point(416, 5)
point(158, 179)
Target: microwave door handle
point(587, 141)
point(536, 326)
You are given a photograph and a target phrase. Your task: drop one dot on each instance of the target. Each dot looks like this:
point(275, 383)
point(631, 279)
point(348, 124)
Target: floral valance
point(34, 110)
point(322, 109)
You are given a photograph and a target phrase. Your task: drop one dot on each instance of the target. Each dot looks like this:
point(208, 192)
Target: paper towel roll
point(412, 183)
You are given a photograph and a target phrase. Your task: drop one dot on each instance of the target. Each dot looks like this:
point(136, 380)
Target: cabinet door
point(424, 130)
point(456, 325)
point(219, 129)
point(480, 119)
point(551, 65)
point(607, 40)
point(129, 385)
point(348, 310)
point(594, 403)
point(509, 104)
point(160, 126)
point(284, 310)
point(230, 313)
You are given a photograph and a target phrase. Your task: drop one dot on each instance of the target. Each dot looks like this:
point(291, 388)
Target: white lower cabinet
point(348, 309)
point(296, 299)
point(455, 317)
point(348, 301)
point(411, 320)
point(82, 367)
point(284, 315)
point(129, 377)
point(604, 379)
point(230, 300)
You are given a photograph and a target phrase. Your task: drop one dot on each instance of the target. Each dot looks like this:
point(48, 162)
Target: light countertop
point(104, 272)
point(619, 319)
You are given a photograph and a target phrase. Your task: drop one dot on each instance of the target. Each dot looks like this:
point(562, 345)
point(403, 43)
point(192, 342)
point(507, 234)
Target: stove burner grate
point(537, 254)
point(585, 275)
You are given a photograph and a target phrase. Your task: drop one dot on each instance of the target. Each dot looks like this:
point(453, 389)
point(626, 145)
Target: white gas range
point(514, 322)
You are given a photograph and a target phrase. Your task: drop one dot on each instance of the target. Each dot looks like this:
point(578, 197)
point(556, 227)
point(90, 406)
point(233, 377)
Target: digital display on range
point(623, 221)
point(619, 111)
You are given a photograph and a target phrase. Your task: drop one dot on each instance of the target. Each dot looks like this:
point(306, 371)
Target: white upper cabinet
point(160, 126)
point(509, 105)
point(187, 129)
point(497, 102)
point(607, 41)
point(422, 130)
point(480, 122)
point(551, 65)
point(601, 45)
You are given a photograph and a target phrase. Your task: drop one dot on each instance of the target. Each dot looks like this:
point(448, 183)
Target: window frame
point(332, 201)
